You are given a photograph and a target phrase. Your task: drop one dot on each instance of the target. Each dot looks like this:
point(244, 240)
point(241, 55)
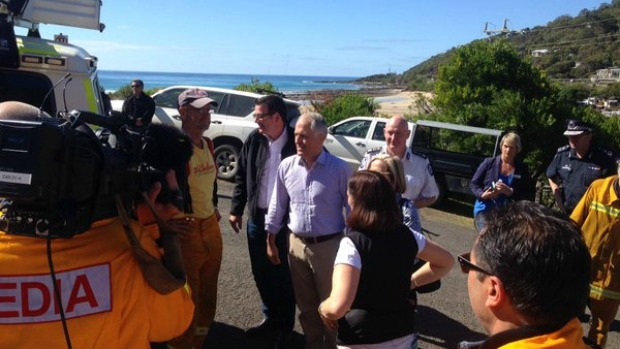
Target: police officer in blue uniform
point(577, 165)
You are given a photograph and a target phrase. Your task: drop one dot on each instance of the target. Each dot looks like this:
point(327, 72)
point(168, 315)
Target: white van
point(48, 73)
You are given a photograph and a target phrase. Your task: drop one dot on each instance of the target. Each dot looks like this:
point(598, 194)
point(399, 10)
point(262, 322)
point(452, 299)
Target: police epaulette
point(563, 148)
point(422, 155)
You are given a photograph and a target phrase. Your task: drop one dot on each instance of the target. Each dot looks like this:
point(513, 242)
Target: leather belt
point(317, 239)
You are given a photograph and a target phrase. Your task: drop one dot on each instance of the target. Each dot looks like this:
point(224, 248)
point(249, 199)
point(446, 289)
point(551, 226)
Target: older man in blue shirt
point(311, 188)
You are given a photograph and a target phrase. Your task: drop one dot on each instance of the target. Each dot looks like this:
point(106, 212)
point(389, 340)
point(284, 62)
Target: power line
point(585, 24)
point(505, 30)
point(574, 42)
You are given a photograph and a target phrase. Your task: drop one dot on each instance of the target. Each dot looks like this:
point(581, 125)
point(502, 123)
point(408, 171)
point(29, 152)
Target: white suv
point(231, 121)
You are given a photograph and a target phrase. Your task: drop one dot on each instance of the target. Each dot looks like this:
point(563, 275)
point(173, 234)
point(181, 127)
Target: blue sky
point(319, 37)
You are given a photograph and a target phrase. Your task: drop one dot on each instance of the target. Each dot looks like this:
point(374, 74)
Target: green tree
point(421, 84)
point(612, 90)
point(488, 84)
point(342, 107)
point(575, 92)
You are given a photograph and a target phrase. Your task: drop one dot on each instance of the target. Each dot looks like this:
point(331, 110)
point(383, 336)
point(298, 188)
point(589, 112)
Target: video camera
point(57, 176)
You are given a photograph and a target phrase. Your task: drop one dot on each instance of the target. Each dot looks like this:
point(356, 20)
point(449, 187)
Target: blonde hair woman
point(500, 179)
point(391, 167)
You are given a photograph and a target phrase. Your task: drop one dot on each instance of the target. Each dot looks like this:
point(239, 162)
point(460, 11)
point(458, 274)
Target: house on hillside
point(607, 75)
point(610, 104)
point(540, 53)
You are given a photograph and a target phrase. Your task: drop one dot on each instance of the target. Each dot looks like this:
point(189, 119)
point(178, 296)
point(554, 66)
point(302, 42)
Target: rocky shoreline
point(373, 91)
point(398, 101)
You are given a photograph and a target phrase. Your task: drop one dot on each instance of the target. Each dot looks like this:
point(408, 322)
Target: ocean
point(112, 80)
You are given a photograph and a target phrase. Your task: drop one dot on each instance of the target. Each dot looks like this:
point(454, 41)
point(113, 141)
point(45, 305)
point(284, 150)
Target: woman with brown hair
point(372, 276)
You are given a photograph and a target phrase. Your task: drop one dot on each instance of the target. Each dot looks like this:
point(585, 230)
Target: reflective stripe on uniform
point(597, 292)
point(608, 210)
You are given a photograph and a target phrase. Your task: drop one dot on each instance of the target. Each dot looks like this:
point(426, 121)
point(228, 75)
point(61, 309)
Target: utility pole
point(503, 31)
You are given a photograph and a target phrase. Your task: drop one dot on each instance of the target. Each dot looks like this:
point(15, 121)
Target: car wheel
point(227, 161)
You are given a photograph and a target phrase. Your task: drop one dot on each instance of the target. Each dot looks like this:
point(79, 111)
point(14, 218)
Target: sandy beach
point(402, 103)
point(391, 101)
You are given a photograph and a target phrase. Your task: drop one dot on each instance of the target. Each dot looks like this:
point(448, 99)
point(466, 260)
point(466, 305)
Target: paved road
point(444, 317)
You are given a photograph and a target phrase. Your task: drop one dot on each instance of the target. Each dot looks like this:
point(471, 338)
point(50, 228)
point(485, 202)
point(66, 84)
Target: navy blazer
point(488, 172)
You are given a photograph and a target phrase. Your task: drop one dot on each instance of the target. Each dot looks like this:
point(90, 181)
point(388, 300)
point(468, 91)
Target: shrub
point(342, 107)
point(257, 87)
point(125, 90)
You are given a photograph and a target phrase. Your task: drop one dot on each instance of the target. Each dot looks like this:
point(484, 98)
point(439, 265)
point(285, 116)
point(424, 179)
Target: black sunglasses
point(134, 86)
point(467, 265)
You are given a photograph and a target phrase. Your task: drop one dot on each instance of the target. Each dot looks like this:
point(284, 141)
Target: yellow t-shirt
point(201, 180)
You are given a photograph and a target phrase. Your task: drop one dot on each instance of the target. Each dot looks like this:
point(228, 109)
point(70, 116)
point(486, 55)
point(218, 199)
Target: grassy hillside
point(567, 48)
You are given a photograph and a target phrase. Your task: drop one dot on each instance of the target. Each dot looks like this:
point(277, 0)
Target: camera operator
point(101, 297)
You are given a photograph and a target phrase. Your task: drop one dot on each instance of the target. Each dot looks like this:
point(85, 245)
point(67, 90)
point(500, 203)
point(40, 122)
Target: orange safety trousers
point(202, 258)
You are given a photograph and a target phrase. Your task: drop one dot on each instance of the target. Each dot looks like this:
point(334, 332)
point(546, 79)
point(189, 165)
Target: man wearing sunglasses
point(138, 108)
point(528, 279)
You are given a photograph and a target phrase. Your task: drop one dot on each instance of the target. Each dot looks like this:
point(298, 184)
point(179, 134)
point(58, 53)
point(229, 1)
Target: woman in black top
point(373, 270)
